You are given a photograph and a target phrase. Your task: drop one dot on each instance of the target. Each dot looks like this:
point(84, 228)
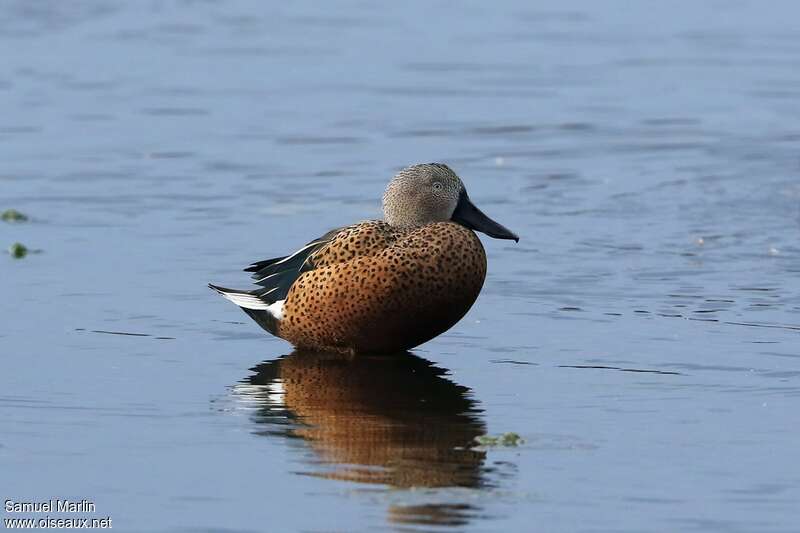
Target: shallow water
point(642, 337)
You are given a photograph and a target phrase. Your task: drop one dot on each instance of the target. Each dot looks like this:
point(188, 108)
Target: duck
point(379, 286)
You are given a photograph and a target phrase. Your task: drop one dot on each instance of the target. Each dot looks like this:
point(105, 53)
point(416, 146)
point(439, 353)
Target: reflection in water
point(393, 420)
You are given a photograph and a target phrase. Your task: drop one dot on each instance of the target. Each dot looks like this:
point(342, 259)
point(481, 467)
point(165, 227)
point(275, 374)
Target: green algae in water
point(510, 439)
point(12, 215)
point(18, 250)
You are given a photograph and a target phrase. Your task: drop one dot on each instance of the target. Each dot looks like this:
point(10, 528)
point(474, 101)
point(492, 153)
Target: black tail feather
point(266, 295)
point(221, 289)
point(263, 319)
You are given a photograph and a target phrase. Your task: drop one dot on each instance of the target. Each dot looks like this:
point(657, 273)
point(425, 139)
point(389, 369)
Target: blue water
point(642, 338)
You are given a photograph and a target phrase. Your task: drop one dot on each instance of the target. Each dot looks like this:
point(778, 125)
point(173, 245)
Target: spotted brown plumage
point(379, 286)
point(405, 288)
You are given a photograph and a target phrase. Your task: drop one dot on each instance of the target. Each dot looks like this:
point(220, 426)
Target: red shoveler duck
point(379, 286)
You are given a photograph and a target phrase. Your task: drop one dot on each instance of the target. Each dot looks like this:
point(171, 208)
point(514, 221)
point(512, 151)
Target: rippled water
point(642, 337)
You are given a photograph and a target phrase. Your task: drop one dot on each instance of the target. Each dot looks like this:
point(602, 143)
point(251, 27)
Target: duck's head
point(432, 192)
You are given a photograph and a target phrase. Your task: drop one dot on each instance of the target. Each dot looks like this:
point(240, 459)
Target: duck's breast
point(411, 291)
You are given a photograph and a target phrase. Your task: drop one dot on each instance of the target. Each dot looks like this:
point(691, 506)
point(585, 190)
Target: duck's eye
point(437, 186)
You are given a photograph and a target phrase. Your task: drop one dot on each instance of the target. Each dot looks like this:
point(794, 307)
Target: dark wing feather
point(278, 274)
point(258, 265)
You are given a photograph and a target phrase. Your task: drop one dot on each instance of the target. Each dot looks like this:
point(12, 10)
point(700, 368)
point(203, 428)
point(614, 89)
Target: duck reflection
point(393, 420)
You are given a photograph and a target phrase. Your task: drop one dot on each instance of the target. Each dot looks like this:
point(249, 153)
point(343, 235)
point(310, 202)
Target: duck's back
point(376, 288)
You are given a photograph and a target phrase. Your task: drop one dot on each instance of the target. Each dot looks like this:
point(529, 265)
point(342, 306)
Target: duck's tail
point(257, 305)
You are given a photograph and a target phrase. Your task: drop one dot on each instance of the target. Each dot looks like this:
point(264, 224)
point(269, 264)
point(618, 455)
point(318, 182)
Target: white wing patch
point(248, 301)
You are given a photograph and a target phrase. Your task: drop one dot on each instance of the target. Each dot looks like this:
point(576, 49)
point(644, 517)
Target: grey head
point(432, 192)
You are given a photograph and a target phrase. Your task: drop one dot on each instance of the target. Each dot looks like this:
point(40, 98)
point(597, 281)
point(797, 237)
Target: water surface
point(642, 337)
